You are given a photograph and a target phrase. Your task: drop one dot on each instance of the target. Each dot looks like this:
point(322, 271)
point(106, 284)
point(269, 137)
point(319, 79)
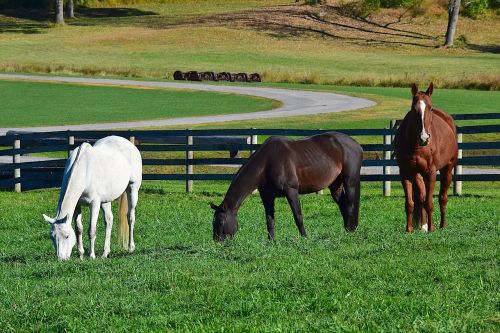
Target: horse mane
point(69, 173)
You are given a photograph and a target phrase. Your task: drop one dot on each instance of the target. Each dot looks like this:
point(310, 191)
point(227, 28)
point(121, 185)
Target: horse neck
point(73, 185)
point(247, 179)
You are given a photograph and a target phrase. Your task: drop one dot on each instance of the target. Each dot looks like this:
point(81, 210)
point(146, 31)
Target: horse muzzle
point(423, 140)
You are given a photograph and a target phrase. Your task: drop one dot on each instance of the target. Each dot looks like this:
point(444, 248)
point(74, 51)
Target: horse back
point(447, 119)
point(312, 163)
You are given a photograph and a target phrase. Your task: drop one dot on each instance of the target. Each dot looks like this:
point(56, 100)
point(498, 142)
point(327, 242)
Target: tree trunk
point(59, 12)
point(453, 8)
point(70, 9)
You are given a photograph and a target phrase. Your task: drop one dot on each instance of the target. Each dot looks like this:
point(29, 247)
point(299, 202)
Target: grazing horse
point(95, 176)
point(425, 142)
point(284, 167)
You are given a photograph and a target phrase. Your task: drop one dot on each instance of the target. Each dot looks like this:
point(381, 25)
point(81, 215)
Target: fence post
point(71, 143)
point(17, 159)
point(387, 157)
point(189, 167)
point(254, 140)
point(457, 184)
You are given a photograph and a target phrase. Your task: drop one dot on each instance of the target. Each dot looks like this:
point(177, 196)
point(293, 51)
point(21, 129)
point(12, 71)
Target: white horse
point(94, 176)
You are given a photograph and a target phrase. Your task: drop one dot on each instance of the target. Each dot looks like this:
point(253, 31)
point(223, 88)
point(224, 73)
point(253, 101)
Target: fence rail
point(183, 144)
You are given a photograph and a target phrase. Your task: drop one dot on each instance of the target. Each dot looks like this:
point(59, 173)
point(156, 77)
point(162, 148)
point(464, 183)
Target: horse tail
point(123, 228)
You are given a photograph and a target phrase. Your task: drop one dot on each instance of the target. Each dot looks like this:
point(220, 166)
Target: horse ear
point(414, 89)
point(48, 219)
point(213, 206)
point(430, 90)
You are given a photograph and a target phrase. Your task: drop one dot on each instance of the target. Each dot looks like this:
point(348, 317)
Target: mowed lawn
point(376, 279)
point(27, 104)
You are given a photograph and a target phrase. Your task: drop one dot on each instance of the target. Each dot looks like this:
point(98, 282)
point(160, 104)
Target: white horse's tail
point(123, 229)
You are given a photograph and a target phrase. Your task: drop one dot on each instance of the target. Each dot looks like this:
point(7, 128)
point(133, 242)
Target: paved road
point(294, 103)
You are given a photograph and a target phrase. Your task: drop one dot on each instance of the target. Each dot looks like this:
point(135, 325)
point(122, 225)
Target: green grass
point(57, 104)
point(376, 279)
point(34, 104)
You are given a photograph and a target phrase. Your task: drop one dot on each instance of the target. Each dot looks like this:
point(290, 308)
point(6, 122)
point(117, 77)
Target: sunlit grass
point(376, 279)
point(157, 39)
point(26, 104)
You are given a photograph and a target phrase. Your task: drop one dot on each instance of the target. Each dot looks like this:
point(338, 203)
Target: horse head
point(224, 223)
point(62, 235)
point(422, 109)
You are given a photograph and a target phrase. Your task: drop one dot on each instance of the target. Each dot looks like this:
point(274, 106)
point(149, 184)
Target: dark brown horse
point(284, 167)
point(425, 143)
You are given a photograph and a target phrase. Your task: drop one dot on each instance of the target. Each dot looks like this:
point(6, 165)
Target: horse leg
point(108, 221)
point(79, 230)
point(349, 199)
point(133, 197)
point(409, 205)
point(268, 201)
point(445, 173)
point(337, 191)
point(94, 214)
point(292, 195)
point(429, 201)
point(421, 194)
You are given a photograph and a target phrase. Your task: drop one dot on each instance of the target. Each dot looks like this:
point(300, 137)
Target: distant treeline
point(27, 3)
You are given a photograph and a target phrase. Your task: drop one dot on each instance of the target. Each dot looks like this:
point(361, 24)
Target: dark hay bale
point(255, 77)
point(178, 75)
point(208, 76)
point(224, 76)
point(193, 76)
point(241, 77)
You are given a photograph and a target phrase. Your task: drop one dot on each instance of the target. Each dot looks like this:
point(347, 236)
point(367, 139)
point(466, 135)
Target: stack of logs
point(222, 76)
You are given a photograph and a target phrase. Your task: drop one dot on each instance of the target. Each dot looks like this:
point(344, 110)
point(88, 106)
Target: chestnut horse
point(425, 142)
point(284, 167)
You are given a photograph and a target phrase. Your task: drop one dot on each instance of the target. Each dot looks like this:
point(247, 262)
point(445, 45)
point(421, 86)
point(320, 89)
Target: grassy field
point(59, 104)
point(376, 279)
point(285, 42)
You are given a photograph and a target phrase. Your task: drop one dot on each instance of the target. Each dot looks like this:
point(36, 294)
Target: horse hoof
point(92, 256)
point(131, 248)
point(105, 255)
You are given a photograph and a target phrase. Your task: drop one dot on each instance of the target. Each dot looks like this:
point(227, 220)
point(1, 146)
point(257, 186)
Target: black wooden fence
point(183, 145)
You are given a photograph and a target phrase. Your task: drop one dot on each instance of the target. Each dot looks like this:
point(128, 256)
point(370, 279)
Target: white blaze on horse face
point(64, 238)
point(424, 136)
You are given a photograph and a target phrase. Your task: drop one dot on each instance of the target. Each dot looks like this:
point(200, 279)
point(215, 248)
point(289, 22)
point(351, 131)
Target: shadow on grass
point(157, 251)
point(490, 48)
point(33, 21)
point(328, 22)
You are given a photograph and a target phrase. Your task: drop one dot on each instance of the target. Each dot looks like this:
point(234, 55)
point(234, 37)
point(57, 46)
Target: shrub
point(313, 2)
point(396, 3)
point(475, 8)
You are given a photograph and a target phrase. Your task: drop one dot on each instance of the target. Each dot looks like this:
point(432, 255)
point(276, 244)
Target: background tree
point(453, 9)
point(70, 9)
point(59, 7)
